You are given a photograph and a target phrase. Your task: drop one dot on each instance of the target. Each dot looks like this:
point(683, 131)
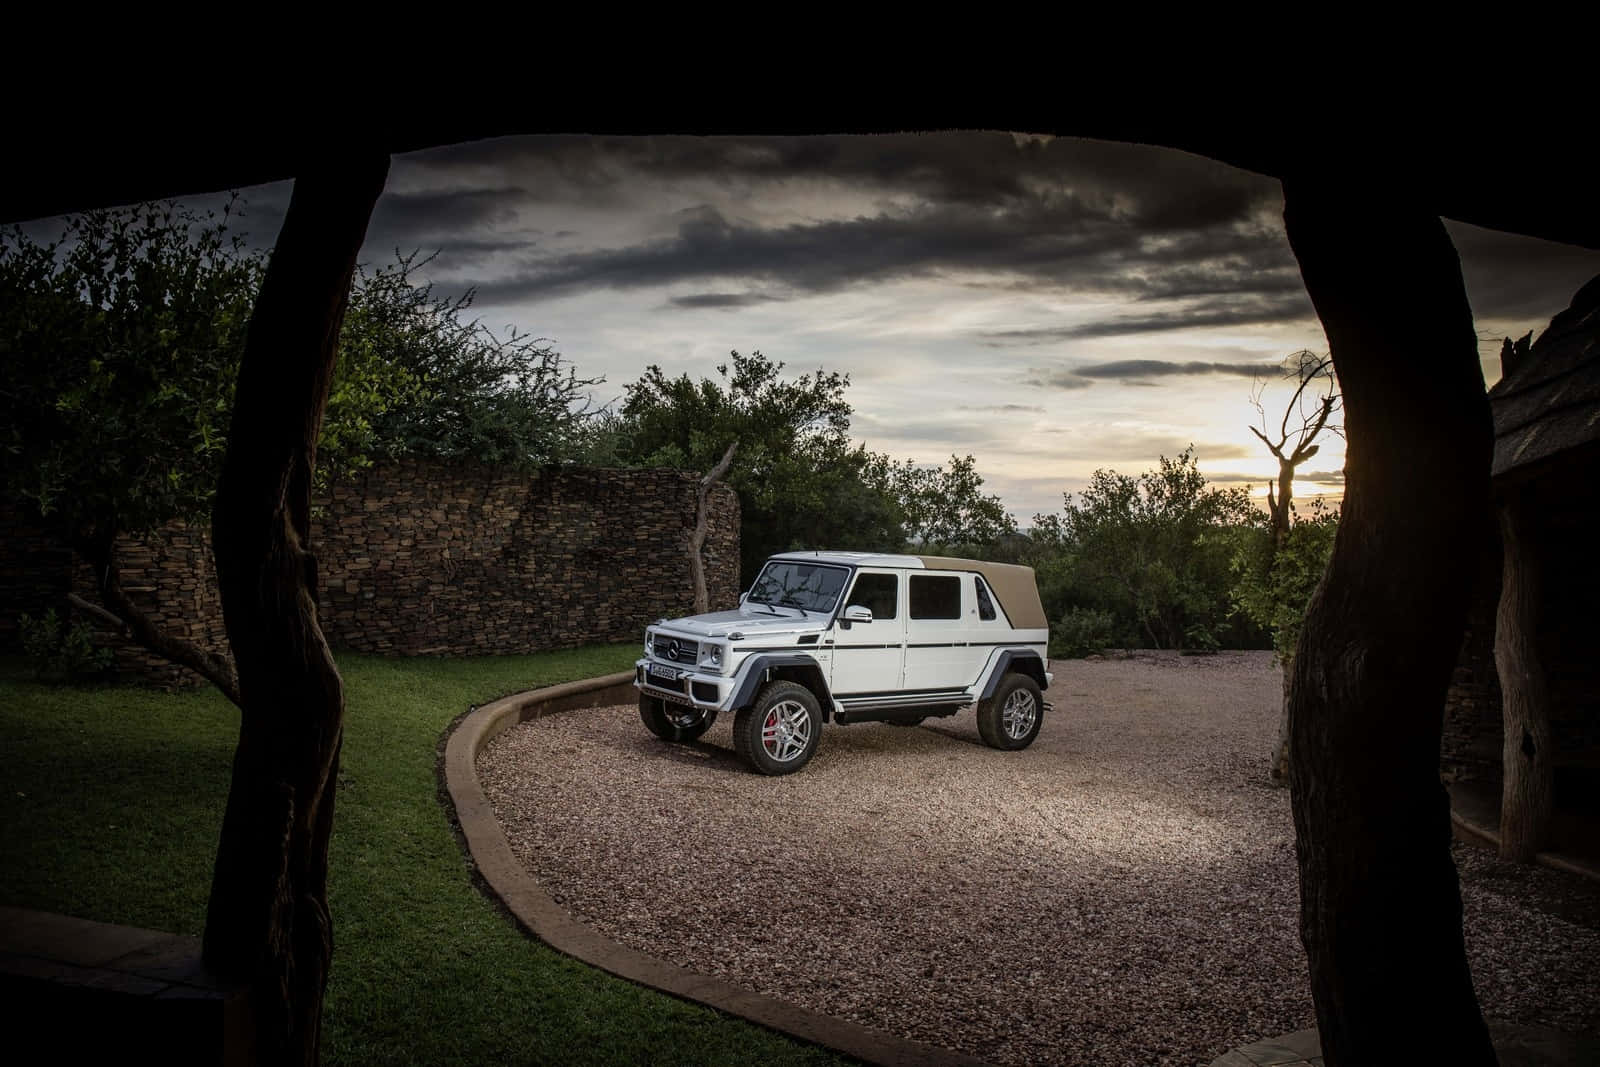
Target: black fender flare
point(755, 671)
point(1025, 660)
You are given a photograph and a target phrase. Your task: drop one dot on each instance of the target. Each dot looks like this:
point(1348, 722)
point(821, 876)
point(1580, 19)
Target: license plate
point(666, 674)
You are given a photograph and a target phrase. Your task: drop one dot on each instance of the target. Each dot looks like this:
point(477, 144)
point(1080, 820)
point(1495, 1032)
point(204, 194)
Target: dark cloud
point(464, 227)
point(1127, 220)
point(446, 209)
point(1155, 368)
point(1522, 279)
point(1052, 244)
point(721, 300)
point(1055, 378)
point(1320, 477)
point(1244, 309)
point(1004, 409)
point(1138, 372)
point(1166, 190)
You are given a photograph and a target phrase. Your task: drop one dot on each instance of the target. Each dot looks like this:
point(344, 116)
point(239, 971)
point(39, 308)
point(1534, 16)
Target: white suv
point(852, 637)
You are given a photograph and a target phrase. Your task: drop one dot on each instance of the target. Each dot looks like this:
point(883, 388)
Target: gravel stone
point(1124, 891)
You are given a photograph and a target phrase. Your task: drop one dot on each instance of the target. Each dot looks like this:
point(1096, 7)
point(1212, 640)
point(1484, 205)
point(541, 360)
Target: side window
point(879, 593)
point(935, 596)
point(985, 605)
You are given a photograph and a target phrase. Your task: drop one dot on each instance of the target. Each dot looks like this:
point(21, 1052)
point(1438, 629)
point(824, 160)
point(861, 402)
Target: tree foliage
point(945, 509)
point(802, 482)
point(1151, 552)
point(1273, 587)
point(119, 345)
point(418, 377)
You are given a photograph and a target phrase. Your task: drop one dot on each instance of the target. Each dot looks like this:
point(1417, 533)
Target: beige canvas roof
point(1011, 583)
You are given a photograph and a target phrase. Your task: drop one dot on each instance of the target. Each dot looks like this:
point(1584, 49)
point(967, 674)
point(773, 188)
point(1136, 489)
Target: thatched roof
point(1549, 398)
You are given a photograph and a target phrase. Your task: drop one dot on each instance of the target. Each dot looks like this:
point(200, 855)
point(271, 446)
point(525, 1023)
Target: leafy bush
point(1082, 632)
point(1153, 552)
point(60, 650)
point(1273, 588)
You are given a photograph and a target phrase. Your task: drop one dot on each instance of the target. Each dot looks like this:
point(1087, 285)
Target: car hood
point(747, 621)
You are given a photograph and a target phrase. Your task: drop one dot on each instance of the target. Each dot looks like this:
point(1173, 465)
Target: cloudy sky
point(1050, 306)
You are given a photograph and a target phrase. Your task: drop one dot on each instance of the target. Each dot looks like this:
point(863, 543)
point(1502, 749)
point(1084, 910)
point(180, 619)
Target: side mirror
point(857, 613)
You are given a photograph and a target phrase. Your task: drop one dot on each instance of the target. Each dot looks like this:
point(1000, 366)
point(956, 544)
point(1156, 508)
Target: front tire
point(778, 734)
point(1010, 719)
point(672, 722)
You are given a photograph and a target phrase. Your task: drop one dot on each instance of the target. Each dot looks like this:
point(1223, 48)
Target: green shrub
point(1198, 640)
point(60, 650)
point(1082, 632)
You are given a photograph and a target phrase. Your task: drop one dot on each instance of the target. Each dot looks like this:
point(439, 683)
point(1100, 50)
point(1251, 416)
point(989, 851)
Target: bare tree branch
point(88, 607)
point(100, 551)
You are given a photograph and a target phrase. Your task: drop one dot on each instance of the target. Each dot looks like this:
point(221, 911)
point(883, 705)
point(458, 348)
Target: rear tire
point(778, 734)
point(1010, 719)
point(673, 722)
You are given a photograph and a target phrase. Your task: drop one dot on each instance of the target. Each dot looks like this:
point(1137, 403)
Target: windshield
point(809, 586)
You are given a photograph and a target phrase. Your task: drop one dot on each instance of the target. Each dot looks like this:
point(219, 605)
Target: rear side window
point(878, 593)
point(935, 597)
point(985, 604)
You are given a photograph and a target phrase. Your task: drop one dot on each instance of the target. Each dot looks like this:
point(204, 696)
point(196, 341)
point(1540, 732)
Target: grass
point(113, 797)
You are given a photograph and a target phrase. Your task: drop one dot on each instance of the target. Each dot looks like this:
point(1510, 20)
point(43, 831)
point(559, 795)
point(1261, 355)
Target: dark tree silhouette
point(1380, 904)
point(267, 923)
point(1296, 438)
point(1304, 419)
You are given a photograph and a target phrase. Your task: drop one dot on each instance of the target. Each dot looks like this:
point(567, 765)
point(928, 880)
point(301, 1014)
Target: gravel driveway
point(1122, 892)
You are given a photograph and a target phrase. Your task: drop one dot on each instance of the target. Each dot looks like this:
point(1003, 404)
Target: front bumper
point(690, 688)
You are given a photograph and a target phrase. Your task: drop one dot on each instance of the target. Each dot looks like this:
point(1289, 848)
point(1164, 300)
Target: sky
point(1050, 306)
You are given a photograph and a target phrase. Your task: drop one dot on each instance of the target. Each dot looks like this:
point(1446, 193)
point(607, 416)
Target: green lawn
point(112, 799)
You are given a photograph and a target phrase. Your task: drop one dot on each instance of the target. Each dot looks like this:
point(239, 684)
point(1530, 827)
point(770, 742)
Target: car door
point(869, 657)
point(937, 631)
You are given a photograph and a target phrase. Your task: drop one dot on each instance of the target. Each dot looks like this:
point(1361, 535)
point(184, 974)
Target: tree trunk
point(1279, 771)
point(1527, 794)
point(1380, 902)
point(697, 539)
point(267, 923)
point(1278, 504)
point(1279, 507)
point(99, 549)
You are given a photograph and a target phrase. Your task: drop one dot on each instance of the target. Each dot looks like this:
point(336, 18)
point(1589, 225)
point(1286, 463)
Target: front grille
point(676, 650)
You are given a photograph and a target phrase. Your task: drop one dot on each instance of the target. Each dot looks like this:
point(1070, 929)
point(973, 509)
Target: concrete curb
point(554, 925)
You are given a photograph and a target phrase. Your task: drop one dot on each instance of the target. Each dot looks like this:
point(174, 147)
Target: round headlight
point(714, 655)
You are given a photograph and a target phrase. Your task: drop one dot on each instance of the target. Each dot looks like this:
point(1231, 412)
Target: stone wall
point(426, 559)
point(172, 578)
point(433, 559)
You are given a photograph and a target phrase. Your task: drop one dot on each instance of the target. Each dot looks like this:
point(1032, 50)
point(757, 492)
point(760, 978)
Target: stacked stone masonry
point(434, 559)
point(430, 560)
